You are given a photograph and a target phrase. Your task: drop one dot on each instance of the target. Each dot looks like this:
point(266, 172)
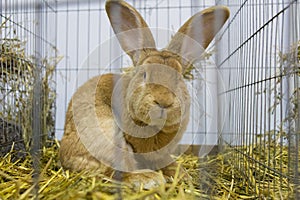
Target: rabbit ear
point(130, 28)
point(196, 34)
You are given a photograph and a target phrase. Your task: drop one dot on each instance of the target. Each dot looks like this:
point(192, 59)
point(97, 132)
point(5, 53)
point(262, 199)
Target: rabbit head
point(156, 94)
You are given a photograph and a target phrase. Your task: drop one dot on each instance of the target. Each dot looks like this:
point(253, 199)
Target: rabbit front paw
point(175, 170)
point(147, 179)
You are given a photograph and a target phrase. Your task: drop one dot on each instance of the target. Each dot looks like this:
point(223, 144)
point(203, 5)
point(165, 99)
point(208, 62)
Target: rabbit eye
point(145, 75)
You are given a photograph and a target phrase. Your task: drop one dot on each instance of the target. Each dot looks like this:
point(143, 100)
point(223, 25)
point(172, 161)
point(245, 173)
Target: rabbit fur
point(134, 121)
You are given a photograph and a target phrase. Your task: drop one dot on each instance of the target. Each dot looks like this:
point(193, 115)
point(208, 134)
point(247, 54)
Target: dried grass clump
point(213, 177)
point(17, 83)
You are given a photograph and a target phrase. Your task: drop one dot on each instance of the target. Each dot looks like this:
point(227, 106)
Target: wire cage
point(259, 63)
point(245, 93)
point(28, 59)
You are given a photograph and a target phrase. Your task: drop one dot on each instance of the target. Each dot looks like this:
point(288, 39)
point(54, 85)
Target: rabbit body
point(134, 121)
point(94, 112)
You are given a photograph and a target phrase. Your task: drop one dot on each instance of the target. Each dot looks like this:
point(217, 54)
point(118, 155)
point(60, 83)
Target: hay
point(17, 83)
point(213, 177)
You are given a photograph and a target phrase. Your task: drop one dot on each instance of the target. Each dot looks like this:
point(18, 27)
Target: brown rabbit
point(133, 121)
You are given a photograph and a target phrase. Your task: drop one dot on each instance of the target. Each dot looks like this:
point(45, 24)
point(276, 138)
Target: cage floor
point(213, 177)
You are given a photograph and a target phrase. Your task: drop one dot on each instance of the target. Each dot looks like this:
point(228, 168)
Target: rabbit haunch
point(135, 120)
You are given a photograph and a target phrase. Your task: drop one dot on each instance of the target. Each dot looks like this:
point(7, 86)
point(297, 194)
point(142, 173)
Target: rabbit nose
point(164, 100)
point(163, 97)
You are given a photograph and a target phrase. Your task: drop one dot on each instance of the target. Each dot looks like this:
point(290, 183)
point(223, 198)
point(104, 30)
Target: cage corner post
point(37, 94)
point(291, 91)
point(220, 94)
point(294, 34)
point(220, 119)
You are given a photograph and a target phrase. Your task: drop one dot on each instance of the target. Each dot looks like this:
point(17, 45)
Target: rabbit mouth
point(154, 116)
point(158, 116)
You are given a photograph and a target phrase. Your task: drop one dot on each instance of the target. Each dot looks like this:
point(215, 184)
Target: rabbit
point(133, 122)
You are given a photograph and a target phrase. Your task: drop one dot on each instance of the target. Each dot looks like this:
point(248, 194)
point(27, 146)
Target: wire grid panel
point(259, 110)
point(89, 48)
point(28, 57)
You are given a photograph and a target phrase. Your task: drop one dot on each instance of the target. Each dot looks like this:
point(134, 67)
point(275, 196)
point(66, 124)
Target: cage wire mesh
point(259, 62)
point(28, 59)
point(248, 103)
point(27, 63)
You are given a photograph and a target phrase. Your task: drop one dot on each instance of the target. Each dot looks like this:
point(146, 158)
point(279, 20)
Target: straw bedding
point(213, 177)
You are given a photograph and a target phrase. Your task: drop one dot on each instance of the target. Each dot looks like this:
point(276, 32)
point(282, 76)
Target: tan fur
point(115, 121)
